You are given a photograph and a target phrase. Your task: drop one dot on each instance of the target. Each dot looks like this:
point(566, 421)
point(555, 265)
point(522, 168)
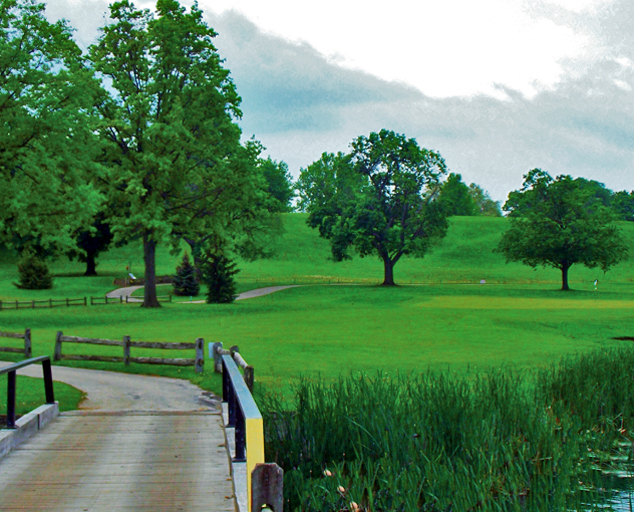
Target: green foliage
point(218, 271)
point(378, 200)
point(623, 205)
point(185, 282)
point(33, 272)
point(560, 223)
point(177, 165)
point(279, 184)
point(47, 127)
point(455, 197)
point(484, 205)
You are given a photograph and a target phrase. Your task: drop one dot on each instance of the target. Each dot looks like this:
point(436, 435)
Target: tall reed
point(432, 442)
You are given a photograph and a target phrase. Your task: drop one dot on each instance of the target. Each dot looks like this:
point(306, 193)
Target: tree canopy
point(177, 166)
point(455, 197)
point(380, 199)
point(279, 184)
point(558, 223)
point(48, 147)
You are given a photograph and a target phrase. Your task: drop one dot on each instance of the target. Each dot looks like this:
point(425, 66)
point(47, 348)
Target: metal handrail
point(245, 417)
point(11, 384)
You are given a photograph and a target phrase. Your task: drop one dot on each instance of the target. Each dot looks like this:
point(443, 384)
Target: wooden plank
point(101, 464)
point(162, 345)
point(163, 360)
point(11, 335)
point(11, 349)
point(78, 357)
point(91, 341)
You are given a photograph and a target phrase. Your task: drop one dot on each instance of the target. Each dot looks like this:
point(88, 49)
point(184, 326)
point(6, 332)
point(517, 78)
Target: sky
point(498, 87)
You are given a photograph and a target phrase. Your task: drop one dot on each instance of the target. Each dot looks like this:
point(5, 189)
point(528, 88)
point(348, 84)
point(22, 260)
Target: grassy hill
point(301, 257)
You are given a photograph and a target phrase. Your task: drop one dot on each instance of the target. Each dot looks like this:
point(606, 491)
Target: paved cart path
point(127, 292)
point(136, 443)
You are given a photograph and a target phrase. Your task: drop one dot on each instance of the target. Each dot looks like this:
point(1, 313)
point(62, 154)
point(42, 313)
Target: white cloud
point(450, 48)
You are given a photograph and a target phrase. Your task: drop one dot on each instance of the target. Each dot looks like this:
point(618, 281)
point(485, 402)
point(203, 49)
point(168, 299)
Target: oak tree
point(380, 199)
point(48, 145)
point(558, 223)
point(177, 164)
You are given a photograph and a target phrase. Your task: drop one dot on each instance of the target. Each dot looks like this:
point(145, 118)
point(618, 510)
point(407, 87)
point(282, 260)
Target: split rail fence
point(26, 350)
point(46, 303)
point(198, 361)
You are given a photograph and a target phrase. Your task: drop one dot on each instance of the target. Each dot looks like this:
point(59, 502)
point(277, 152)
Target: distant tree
point(381, 199)
point(484, 205)
point(185, 282)
point(623, 205)
point(218, 271)
point(90, 243)
point(558, 223)
point(33, 272)
point(177, 164)
point(455, 198)
point(279, 184)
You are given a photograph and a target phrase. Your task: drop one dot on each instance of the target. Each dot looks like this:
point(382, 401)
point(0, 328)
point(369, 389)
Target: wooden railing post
point(27, 343)
point(217, 357)
point(58, 347)
point(267, 486)
point(11, 400)
point(126, 350)
point(200, 356)
point(48, 381)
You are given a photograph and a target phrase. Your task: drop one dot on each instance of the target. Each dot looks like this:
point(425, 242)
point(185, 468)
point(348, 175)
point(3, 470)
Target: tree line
point(137, 140)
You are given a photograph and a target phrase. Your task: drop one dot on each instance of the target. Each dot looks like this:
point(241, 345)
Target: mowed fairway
point(334, 329)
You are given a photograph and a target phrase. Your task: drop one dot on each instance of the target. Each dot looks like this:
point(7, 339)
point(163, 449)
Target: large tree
point(380, 199)
point(455, 198)
point(558, 223)
point(47, 142)
point(177, 163)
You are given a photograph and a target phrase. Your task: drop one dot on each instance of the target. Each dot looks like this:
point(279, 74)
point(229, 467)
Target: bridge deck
point(94, 462)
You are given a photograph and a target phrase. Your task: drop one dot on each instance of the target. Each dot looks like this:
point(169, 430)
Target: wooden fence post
point(27, 343)
point(200, 356)
point(249, 377)
point(267, 484)
point(58, 346)
point(126, 350)
point(217, 357)
point(85, 301)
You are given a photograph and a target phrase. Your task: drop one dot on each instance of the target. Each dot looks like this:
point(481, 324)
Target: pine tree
point(184, 282)
point(34, 274)
point(218, 272)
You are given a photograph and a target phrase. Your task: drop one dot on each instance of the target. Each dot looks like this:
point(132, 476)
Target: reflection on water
point(619, 492)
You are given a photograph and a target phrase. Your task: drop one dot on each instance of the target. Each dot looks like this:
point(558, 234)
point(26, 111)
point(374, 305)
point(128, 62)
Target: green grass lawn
point(518, 318)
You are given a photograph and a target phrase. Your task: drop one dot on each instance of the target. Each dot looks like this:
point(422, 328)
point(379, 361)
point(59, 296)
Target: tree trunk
point(91, 264)
point(564, 278)
point(388, 267)
point(149, 257)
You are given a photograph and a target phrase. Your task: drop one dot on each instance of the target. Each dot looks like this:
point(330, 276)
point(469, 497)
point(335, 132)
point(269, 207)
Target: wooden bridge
point(141, 443)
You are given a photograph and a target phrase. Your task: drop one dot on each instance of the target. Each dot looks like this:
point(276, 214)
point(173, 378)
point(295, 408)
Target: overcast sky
point(498, 87)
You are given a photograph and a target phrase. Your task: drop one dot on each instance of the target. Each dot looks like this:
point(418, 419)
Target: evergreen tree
point(185, 282)
point(218, 271)
point(34, 274)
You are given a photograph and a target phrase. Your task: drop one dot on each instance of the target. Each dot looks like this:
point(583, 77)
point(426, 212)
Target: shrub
point(34, 273)
point(185, 282)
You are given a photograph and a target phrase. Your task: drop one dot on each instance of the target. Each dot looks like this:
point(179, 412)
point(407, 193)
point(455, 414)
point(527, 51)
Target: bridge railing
point(11, 370)
point(263, 481)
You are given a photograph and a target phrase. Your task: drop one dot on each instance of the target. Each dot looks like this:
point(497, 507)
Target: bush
point(218, 272)
point(34, 274)
point(185, 282)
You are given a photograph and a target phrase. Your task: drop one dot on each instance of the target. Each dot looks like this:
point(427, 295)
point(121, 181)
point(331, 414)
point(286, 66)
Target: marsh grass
point(499, 440)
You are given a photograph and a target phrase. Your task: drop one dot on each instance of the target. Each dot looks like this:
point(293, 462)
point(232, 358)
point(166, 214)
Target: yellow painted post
point(255, 449)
